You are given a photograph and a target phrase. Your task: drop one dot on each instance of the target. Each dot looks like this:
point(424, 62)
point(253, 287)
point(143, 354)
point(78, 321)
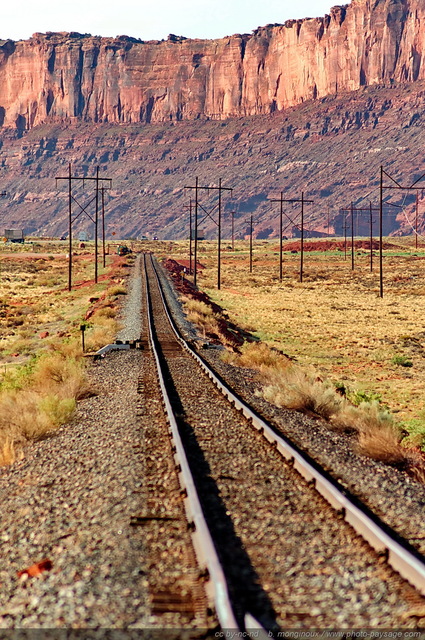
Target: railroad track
point(274, 534)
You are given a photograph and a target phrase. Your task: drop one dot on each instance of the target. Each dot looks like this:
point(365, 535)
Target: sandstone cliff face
point(57, 77)
point(331, 149)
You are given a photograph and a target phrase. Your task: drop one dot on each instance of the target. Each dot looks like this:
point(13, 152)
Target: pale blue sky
point(152, 19)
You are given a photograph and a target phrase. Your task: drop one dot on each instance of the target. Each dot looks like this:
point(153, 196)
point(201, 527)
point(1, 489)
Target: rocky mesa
point(66, 76)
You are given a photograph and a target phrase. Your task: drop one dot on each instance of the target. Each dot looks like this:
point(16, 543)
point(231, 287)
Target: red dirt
point(88, 283)
point(26, 255)
point(117, 261)
point(180, 265)
point(330, 245)
point(36, 569)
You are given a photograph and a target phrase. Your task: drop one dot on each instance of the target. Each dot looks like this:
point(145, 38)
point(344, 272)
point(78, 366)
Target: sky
point(152, 19)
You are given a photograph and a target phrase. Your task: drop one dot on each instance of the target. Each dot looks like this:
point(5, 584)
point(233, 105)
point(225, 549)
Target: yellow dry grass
point(334, 320)
point(116, 290)
point(42, 371)
point(294, 389)
point(258, 355)
point(34, 405)
point(8, 454)
point(101, 332)
point(58, 375)
point(200, 314)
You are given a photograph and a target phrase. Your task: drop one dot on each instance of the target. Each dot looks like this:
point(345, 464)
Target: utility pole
point(220, 188)
point(416, 220)
point(370, 234)
point(195, 256)
point(233, 229)
point(96, 221)
point(281, 200)
point(358, 210)
point(381, 216)
point(351, 211)
point(302, 238)
point(70, 178)
point(219, 237)
point(250, 243)
point(190, 234)
point(394, 185)
point(345, 226)
point(103, 226)
point(303, 201)
point(345, 237)
point(3, 194)
point(69, 227)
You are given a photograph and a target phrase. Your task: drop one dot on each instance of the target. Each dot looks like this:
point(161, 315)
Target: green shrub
point(401, 361)
point(359, 396)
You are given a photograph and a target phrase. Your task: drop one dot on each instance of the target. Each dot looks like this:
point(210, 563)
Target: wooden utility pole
point(220, 188)
point(70, 178)
point(303, 201)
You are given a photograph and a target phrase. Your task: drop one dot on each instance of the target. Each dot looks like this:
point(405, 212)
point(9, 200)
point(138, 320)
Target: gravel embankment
point(130, 316)
point(70, 501)
point(392, 494)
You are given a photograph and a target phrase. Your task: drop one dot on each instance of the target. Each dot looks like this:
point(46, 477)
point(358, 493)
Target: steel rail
point(206, 554)
point(401, 556)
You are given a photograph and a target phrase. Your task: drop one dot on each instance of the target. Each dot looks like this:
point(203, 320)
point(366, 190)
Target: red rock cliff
point(66, 76)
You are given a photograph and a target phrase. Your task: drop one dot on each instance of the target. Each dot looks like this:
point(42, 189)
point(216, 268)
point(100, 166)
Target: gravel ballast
point(395, 497)
point(70, 501)
point(306, 566)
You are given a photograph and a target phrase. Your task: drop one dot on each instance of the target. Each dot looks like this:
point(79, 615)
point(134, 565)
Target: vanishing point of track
point(272, 551)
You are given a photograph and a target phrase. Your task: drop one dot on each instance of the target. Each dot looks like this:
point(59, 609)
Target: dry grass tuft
point(207, 324)
point(417, 466)
point(102, 333)
point(384, 445)
point(287, 385)
point(105, 312)
point(70, 348)
point(197, 306)
point(202, 315)
point(8, 453)
point(59, 410)
point(116, 290)
point(368, 417)
point(292, 388)
point(62, 377)
point(258, 355)
point(40, 403)
point(22, 417)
